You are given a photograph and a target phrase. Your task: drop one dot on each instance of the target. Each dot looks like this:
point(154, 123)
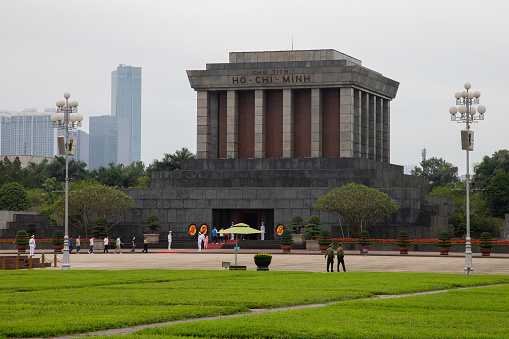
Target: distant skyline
point(432, 48)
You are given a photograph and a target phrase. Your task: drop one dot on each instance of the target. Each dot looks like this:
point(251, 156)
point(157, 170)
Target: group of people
point(329, 256)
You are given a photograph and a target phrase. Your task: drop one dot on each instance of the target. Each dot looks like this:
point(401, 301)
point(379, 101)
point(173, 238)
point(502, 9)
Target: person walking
point(221, 235)
point(32, 245)
point(134, 245)
point(169, 240)
point(91, 250)
point(206, 242)
point(70, 245)
point(341, 256)
point(329, 256)
point(145, 245)
point(78, 245)
point(201, 238)
point(106, 244)
point(118, 244)
point(214, 236)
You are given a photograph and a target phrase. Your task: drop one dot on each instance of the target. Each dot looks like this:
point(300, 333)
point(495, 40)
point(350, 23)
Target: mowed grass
point(473, 313)
point(40, 303)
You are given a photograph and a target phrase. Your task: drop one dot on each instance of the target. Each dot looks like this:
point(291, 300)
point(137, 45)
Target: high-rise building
point(27, 133)
point(109, 141)
point(126, 102)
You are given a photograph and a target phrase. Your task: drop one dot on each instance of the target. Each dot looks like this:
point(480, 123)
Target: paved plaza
point(297, 260)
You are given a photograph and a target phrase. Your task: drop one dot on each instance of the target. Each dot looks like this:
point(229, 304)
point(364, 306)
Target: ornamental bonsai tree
point(486, 241)
point(403, 239)
point(58, 238)
point(314, 226)
point(324, 238)
point(21, 238)
point(286, 238)
point(31, 228)
point(100, 230)
point(444, 240)
point(363, 239)
point(297, 224)
point(153, 223)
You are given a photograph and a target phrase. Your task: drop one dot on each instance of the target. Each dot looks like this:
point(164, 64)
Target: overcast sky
point(430, 47)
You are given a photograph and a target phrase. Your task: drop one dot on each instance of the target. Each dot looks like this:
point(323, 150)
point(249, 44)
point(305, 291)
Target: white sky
point(431, 47)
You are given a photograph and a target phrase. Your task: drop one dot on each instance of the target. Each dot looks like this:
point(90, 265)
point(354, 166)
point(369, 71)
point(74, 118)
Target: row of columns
point(364, 124)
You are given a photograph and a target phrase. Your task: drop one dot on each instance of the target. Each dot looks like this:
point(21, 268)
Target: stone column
point(386, 131)
point(364, 125)
point(357, 130)
point(346, 118)
point(372, 127)
point(379, 128)
point(316, 123)
point(203, 125)
point(259, 128)
point(214, 125)
point(232, 120)
point(287, 123)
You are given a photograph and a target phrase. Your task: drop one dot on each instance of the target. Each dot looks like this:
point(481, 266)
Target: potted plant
point(100, 231)
point(262, 261)
point(485, 244)
point(21, 241)
point(31, 228)
point(154, 224)
point(444, 243)
point(363, 241)
point(58, 241)
point(286, 241)
point(296, 226)
point(403, 242)
point(312, 231)
point(324, 240)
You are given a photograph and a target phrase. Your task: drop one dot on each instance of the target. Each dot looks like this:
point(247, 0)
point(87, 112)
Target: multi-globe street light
point(65, 120)
point(467, 114)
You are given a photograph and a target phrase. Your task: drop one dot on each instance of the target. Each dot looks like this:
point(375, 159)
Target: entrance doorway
point(223, 218)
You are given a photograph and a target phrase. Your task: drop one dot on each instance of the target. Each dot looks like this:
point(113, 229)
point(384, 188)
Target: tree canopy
point(360, 206)
point(13, 197)
point(438, 172)
point(489, 167)
point(171, 162)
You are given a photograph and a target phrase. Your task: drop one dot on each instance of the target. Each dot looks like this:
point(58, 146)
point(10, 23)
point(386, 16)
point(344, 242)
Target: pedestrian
point(145, 245)
point(200, 241)
point(32, 245)
point(169, 240)
point(118, 244)
point(106, 244)
point(206, 242)
point(221, 235)
point(341, 256)
point(91, 250)
point(134, 245)
point(262, 229)
point(214, 236)
point(78, 244)
point(329, 256)
point(70, 245)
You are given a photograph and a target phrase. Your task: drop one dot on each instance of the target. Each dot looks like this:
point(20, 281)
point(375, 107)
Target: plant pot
point(324, 248)
point(363, 249)
point(152, 238)
point(297, 239)
point(21, 248)
point(403, 249)
point(444, 250)
point(262, 264)
point(486, 251)
point(286, 248)
point(312, 245)
point(58, 248)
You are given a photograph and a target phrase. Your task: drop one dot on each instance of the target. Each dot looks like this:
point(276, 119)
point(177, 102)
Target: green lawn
point(50, 303)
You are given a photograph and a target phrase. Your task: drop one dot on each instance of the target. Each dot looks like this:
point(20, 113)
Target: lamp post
point(467, 114)
point(65, 120)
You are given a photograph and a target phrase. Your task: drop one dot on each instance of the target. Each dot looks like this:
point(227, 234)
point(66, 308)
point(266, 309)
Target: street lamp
point(468, 114)
point(65, 120)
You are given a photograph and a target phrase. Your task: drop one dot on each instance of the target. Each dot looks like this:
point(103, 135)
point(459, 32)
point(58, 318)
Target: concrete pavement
point(297, 260)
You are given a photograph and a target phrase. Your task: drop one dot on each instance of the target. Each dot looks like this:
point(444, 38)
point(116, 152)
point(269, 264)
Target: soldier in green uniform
point(341, 256)
point(329, 256)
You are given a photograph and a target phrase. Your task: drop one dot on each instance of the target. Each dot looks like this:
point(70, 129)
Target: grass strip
point(66, 302)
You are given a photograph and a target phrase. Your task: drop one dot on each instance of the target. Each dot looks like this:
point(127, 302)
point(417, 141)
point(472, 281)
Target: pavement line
point(130, 330)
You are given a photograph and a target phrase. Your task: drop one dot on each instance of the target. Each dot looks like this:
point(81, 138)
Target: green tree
point(497, 194)
point(170, 162)
point(489, 167)
point(438, 172)
point(13, 197)
point(101, 229)
point(89, 200)
point(314, 225)
point(120, 175)
point(77, 170)
point(360, 206)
